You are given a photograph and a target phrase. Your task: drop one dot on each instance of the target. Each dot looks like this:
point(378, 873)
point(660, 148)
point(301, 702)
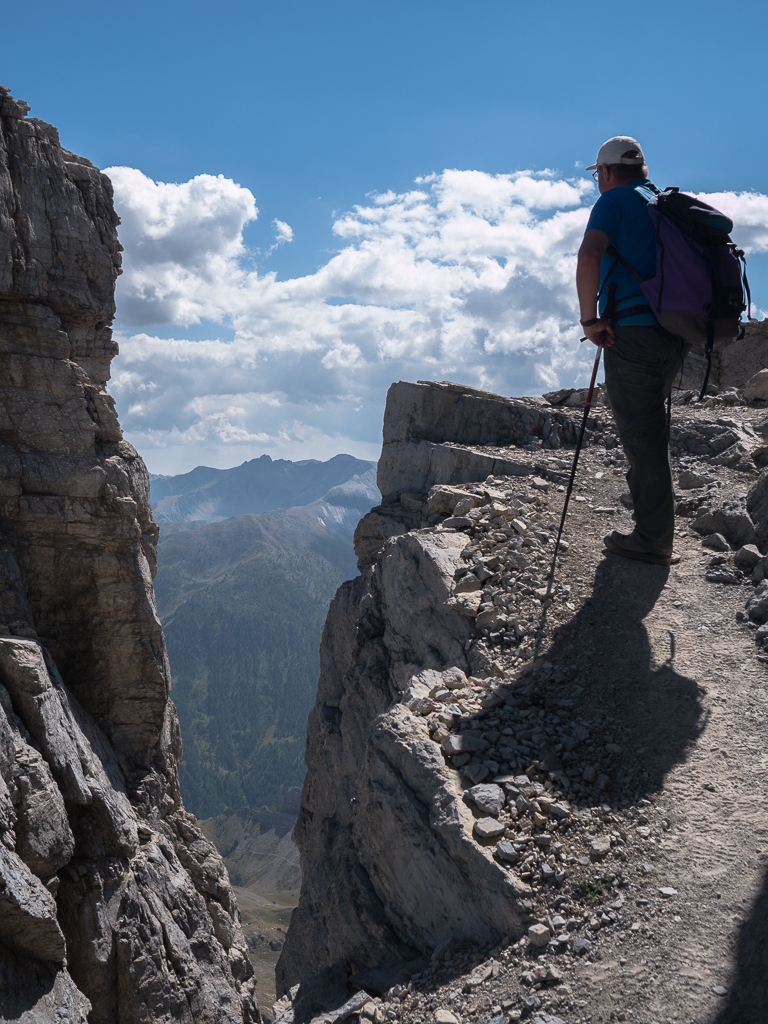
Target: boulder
point(730, 521)
point(757, 505)
point(539, 935)
point(506, 852)
point(756, 388)
point(687, 480)
point(445, 499)
point(488, 828)
point(489, 799)
point(757, 605)
point(746, 558)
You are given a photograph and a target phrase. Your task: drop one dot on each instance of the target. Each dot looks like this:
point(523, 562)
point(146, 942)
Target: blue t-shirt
point(623, 216)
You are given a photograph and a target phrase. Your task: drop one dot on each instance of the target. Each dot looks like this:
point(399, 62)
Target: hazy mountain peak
point(257, 485)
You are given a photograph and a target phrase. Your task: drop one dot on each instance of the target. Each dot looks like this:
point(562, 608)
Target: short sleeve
point(605, 216)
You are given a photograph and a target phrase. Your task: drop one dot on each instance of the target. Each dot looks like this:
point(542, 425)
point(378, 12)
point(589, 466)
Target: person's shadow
point(747, 999)
point(639, 695)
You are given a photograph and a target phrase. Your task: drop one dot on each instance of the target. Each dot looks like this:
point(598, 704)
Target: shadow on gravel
point(747, 1000)
point(615, 672)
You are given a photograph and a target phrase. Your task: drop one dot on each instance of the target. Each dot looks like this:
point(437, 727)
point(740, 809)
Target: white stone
point(539, 935)
point(756, 387)
point(488, 828)
point(444, 1016)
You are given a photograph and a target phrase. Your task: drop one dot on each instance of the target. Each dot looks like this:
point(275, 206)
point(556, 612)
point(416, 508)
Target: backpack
point(699, 288)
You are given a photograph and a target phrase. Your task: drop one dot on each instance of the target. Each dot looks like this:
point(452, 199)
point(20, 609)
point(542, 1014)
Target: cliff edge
point(113, 905)
point(533, 805)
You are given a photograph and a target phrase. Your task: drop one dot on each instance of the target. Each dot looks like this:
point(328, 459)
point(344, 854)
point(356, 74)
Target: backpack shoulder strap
point(614, 253)
point(647, 192)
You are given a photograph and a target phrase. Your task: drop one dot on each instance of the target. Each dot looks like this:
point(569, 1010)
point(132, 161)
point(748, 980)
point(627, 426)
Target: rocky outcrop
point(451, 784)
point(390, 862)
point(732, 364)
point(113, 905)
point(437, 432)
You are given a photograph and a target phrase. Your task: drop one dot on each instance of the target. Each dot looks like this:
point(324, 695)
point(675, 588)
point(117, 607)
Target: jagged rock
point(377, 781)
point(731, 522)
point(757, 505)
point(420, 418)
point(489, 798)
point(28, 923)
point(89, 743)
point(756, 387)
point(44, 840)
point(372, 530)
point(757, 605)
point(444, 499)
point(574, 397)
point(688, 480)
point(746, 558)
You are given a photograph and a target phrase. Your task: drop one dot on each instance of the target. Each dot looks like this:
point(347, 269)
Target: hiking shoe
point(623, 544)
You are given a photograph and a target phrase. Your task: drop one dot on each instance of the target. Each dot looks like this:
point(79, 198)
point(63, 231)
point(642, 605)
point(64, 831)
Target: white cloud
point(283, 231)
point(468, 276)
point(183, 246)
point(749, 213)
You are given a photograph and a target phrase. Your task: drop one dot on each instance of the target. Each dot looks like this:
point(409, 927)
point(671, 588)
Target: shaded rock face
point(113, 906)
point(390, 868)
point(733, 363)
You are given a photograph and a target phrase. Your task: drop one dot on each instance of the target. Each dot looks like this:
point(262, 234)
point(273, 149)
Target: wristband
point(590, 323)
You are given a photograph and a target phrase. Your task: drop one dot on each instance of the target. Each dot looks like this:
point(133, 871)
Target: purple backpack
point(699, 288)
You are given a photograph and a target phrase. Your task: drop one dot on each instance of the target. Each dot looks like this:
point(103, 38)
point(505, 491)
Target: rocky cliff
point(522, 802)
point(390, 865)
point(113, 905)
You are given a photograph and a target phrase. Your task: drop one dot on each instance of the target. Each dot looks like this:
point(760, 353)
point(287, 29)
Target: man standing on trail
point(641, 358)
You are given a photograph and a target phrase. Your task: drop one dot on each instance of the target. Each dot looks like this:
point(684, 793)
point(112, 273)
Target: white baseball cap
point(621, 149)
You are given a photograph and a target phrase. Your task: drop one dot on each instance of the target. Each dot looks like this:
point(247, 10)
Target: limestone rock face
point(734, 363)
point(424, 422)
point(391, 865)
point(112, 903)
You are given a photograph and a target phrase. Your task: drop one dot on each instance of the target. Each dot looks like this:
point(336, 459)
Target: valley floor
point(265, 919)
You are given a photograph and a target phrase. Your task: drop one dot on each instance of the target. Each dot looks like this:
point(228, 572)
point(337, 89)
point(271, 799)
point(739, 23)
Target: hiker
point(641, 357)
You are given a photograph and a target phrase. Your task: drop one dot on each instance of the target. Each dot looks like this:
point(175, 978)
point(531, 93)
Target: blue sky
point(314, 108)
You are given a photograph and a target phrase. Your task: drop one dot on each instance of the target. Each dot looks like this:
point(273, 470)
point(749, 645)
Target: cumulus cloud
point(468, 276)
point(283, 231)
point(749, 213)
point(183, 246)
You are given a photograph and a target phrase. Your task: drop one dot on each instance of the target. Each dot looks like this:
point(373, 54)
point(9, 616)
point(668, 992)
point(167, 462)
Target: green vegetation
point(589, 889)
point(243, 643)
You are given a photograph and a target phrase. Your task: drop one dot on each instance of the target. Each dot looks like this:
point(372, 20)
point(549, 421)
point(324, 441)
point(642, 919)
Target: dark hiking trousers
point(640, 369)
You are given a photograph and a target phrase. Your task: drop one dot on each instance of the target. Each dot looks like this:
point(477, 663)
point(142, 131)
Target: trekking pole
point(587, 407)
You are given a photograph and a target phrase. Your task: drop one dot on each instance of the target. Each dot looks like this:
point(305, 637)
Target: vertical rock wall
point(113, 906)
point(390, 868)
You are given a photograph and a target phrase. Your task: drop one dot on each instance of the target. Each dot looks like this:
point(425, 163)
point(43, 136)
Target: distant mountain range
point(243, 600)
point(257, 486)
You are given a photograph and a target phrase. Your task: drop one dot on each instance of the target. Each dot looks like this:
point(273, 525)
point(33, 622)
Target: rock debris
point(516, 827)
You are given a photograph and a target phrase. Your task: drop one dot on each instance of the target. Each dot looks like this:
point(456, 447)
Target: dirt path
point(661, 652)
point(655, 901)
point(612, 750)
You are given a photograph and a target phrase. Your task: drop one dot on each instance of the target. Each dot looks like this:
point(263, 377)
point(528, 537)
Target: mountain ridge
point(242, 601)
point(254, 486)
